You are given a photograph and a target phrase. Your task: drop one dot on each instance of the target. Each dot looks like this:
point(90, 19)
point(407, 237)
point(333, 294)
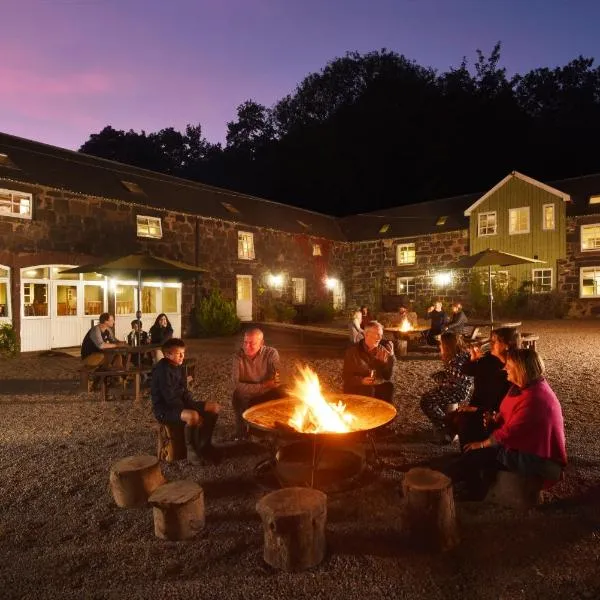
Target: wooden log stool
point(171, 442)
point(178, 509)
point(294, 527)
point(401, 346)
point(133, 479)
point(430, 512)
point(514, 490)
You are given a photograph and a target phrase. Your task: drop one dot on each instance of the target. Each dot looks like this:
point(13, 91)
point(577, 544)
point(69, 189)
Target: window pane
point(3, 272)
point(35, 299)
point(33, 273)
point(590, 237)
point(56, 274)
point(169, 300)
point(66, 300)
point(149, 299)
point(125, 295)
point(93, 277)
point(93, 299)
point(4, 299)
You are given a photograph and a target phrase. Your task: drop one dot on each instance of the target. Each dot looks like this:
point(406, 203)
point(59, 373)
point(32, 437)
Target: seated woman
point(528, 436)
point(454, 387)
point(490, 386)
point(356, 332)
point(160, 332)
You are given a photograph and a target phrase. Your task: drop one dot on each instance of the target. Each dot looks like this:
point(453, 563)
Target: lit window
point(500, 281)
point(594, 199)
point(149, 227)
point(542, 281)
point(170, 303)
point(132, 187)
point(486, 224)
point(405, 286)
point(518, 220)
point(589, 282)
point(590, 237)
point(384, 228)
point(245, 245)
point(441, 221)
point(405, 254)
point(548, 217)
point(303, 224)
point(299, 290)
point(230, 208)
point(6, 161)
point(15, 204)
point(316, 249)
point(4, 292)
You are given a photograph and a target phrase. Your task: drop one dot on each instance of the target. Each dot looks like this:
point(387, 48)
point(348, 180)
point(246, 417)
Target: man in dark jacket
point(173, 403)
point(369, 364)
point(458, 320)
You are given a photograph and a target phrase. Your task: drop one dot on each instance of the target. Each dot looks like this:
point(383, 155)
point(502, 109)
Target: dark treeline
point(377, 130)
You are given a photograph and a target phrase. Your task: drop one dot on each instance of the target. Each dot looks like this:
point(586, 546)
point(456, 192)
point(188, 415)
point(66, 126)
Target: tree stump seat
point(178, 510)
point(430, 512)
point(171, 442)
point(133, 479)
point(294, 527)
point(513, 490)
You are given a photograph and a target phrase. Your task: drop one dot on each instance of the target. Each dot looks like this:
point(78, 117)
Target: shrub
point(9, 344)
point(216, 316)
point(321, 312)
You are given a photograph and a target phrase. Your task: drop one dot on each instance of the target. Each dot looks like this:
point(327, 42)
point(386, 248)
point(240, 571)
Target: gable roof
point(517, 175)
point(45, 165)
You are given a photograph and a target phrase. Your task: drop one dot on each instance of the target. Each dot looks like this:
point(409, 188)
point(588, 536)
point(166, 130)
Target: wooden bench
point(171, 442)
point(90, 375)
point(529, 340)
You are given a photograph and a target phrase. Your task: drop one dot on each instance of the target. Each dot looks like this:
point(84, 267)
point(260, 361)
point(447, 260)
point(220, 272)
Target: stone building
point(60, 209)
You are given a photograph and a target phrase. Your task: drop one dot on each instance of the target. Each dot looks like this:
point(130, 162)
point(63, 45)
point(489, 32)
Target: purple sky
point(70, 67)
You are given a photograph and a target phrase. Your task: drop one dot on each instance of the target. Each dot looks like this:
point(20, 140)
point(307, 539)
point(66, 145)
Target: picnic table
point(401, 338)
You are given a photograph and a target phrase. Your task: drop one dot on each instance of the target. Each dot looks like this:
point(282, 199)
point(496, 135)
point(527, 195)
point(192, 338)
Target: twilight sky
point(70, 67)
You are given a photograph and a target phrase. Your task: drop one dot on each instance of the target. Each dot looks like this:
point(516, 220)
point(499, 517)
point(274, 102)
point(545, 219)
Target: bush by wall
point(9, 344)
point(216, 316)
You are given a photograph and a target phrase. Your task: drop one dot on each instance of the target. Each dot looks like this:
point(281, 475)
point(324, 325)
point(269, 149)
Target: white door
point(339, 296)
point(244, 297)
point(64, 307)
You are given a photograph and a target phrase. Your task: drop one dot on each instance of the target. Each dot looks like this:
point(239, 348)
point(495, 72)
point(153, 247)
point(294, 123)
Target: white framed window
point(150, 227)
point(299, 290)
point(15, 204)
point(245, 245)
point(316, 249)
point(500, 280)
point(405, 286)
point(590, 237)
point(548, 217)
point(595, 199)
point(405, 254)
point(5, 312)
point(518, 220)
point(486, 224)
point(589, 282)
point(542, 280)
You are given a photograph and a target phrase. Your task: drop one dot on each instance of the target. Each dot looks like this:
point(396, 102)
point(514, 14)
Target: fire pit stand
point(318, 460)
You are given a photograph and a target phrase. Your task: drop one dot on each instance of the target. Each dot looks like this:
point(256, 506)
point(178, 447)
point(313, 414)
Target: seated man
point(173, 403)
point(458, 320)
point(369, 364)
point(255, 376)
point(98, 339)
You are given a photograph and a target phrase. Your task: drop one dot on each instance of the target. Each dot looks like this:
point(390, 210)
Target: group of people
point(498, 403)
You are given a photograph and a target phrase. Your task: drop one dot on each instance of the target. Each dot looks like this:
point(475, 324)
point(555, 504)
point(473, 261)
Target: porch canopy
point(490, 258)
point(141, 265)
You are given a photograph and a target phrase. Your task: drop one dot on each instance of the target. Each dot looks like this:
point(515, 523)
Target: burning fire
point(405, 325)
point(315, 414)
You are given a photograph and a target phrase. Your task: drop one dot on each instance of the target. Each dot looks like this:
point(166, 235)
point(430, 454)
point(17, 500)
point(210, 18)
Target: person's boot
point(192, 455)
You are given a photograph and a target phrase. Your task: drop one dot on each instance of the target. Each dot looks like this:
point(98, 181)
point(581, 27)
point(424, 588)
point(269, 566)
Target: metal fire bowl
point(273, 416)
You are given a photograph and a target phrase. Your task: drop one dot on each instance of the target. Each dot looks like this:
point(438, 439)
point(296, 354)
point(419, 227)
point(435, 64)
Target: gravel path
point(61, 535)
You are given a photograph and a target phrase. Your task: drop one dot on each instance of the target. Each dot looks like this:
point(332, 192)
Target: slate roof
point(76, 172)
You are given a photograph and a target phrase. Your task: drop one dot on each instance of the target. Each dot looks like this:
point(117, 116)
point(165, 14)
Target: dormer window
point(132, 187)
point(230, 208)
point(6, 161)
point(316, 249)
point(15, 204)
point(441, 221)
point(302, 224)
point(595, 199)
point(384, 228)
point(149, 227)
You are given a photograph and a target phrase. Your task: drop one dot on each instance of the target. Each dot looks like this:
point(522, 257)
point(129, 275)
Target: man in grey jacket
point(255, 376)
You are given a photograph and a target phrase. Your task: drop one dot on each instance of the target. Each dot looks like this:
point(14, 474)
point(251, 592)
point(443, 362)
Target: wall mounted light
point(442, 279)
point(330, 283)
point(276, 281)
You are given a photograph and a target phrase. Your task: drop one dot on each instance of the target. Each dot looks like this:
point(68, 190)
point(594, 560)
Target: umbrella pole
point(491, 296)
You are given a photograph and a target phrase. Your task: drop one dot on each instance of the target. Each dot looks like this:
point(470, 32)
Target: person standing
point(438, 321)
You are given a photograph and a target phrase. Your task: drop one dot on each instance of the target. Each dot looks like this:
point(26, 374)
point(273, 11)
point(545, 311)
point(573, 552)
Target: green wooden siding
point(545, 245)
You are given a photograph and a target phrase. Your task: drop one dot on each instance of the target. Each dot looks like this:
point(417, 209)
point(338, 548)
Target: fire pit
point(318, 438)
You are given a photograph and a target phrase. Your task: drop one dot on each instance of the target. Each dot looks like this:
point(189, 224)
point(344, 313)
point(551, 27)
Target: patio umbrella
point(490, 258)
point(138, 265)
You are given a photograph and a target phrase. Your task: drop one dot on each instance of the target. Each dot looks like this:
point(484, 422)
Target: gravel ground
point(61, 535)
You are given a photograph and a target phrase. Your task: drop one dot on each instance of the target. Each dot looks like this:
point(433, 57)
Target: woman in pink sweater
point(529, 435)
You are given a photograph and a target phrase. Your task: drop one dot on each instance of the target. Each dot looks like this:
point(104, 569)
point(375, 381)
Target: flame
point(315, 414)
point(405, 325)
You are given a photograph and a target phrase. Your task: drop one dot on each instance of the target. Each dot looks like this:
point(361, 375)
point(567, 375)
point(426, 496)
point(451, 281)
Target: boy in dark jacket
point(173, 403)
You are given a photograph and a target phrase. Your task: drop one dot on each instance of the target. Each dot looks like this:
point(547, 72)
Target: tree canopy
point(376, 130)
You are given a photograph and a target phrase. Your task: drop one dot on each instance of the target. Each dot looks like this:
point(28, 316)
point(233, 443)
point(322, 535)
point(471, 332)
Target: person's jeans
point(382, 391)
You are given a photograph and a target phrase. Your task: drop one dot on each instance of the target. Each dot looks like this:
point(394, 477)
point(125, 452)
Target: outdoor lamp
point(442, 279)
point(276, 281)
point(330, 283)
